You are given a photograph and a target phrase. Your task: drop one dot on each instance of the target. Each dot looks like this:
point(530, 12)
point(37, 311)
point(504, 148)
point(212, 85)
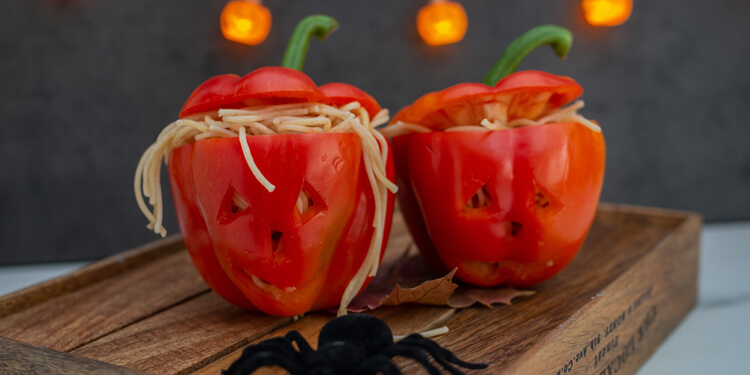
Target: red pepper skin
point(319, 252)
point(254, 247)
point(544, 183)
point(433, 109)
point(338, 94)
point(271, 85)
point(193, 228)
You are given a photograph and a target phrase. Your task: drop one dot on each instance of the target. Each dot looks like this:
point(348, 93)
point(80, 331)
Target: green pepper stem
point(557, 37)
point(296, 51)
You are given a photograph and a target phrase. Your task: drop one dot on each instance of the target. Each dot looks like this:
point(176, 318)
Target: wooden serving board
point(147, 310)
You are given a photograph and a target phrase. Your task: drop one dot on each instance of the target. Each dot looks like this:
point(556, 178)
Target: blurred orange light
point(245, 21)
point(607, 12)
point(442, 22)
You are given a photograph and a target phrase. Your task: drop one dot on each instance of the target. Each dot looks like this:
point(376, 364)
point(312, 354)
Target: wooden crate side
point(502, 335)
point(87, 275)
point(79, 317)
point(22, 358)
point(199, 331)
point(662, 217)
point(625, 323)
point(609, 217)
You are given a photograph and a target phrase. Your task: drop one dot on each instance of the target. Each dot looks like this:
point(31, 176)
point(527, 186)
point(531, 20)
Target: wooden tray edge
point(687, 226)
point(89, 274)
point(673, 216)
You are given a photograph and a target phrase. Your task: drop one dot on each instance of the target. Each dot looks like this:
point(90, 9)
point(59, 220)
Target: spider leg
point(379, 364)
point(415, 354)
point(440, 354)
point(277, 344)
point(276, 351)
point(248, 365)
point(295, 336)
point(322, 371)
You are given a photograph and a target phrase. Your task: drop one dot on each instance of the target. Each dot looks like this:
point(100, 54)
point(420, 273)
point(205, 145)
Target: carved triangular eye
point(239, 203)
point(480, 199)
point(233, 206)
point(546, 203)
point(309, 203)
point(304, 202)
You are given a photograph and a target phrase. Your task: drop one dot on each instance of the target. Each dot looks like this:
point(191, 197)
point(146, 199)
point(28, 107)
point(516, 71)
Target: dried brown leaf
point(467, 296)
point(411, 280)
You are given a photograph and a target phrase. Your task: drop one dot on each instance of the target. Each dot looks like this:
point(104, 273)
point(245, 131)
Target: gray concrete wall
point(85, 87)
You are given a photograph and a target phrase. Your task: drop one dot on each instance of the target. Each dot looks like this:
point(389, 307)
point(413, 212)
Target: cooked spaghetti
point(267, 120)
point(495, 117)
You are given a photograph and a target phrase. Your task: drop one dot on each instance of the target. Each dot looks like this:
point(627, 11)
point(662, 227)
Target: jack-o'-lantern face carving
point(501, 179)
point(294, 247)
point(275, 249)
point(504, 207)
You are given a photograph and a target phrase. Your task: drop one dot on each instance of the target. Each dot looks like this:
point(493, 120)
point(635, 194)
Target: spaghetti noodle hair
point(296, 118)
point(495, 118)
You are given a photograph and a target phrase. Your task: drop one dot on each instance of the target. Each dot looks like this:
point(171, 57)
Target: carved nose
point(276, 240)
point(513, 227)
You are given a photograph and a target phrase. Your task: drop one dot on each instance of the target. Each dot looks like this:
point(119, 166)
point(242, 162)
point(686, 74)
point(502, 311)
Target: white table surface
point(713, 339)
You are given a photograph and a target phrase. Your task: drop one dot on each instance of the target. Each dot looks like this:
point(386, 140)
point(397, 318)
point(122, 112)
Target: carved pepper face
point(509, 206)
point(505, 207)
point(288, 251)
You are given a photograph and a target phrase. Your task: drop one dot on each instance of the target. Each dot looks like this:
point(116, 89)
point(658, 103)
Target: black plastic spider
point(356, 344)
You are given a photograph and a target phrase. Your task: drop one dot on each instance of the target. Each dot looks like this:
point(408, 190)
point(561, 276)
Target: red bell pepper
point(267, 256)
point(539, 185)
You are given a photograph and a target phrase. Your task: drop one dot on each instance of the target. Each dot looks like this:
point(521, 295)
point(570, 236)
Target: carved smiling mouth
point(263, 284)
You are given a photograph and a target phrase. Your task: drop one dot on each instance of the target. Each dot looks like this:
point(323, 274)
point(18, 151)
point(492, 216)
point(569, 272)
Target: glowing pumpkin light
point(245, 21)
point(607, 12)
point(442, 22)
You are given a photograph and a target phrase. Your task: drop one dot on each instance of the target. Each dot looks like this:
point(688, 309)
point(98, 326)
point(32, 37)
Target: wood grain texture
point(624, 324)
point(87, 275)
point(183, 338)
point(21, 358)
point(625, 258)
point(74, 319)
point(402, 320)
point(631, 284)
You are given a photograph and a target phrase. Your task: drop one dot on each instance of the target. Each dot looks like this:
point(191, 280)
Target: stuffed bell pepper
point(500, 179)
point(281, 187)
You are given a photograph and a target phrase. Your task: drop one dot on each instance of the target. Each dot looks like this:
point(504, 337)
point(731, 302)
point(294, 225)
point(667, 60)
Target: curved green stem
point(296, 51)
point(557, 37)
